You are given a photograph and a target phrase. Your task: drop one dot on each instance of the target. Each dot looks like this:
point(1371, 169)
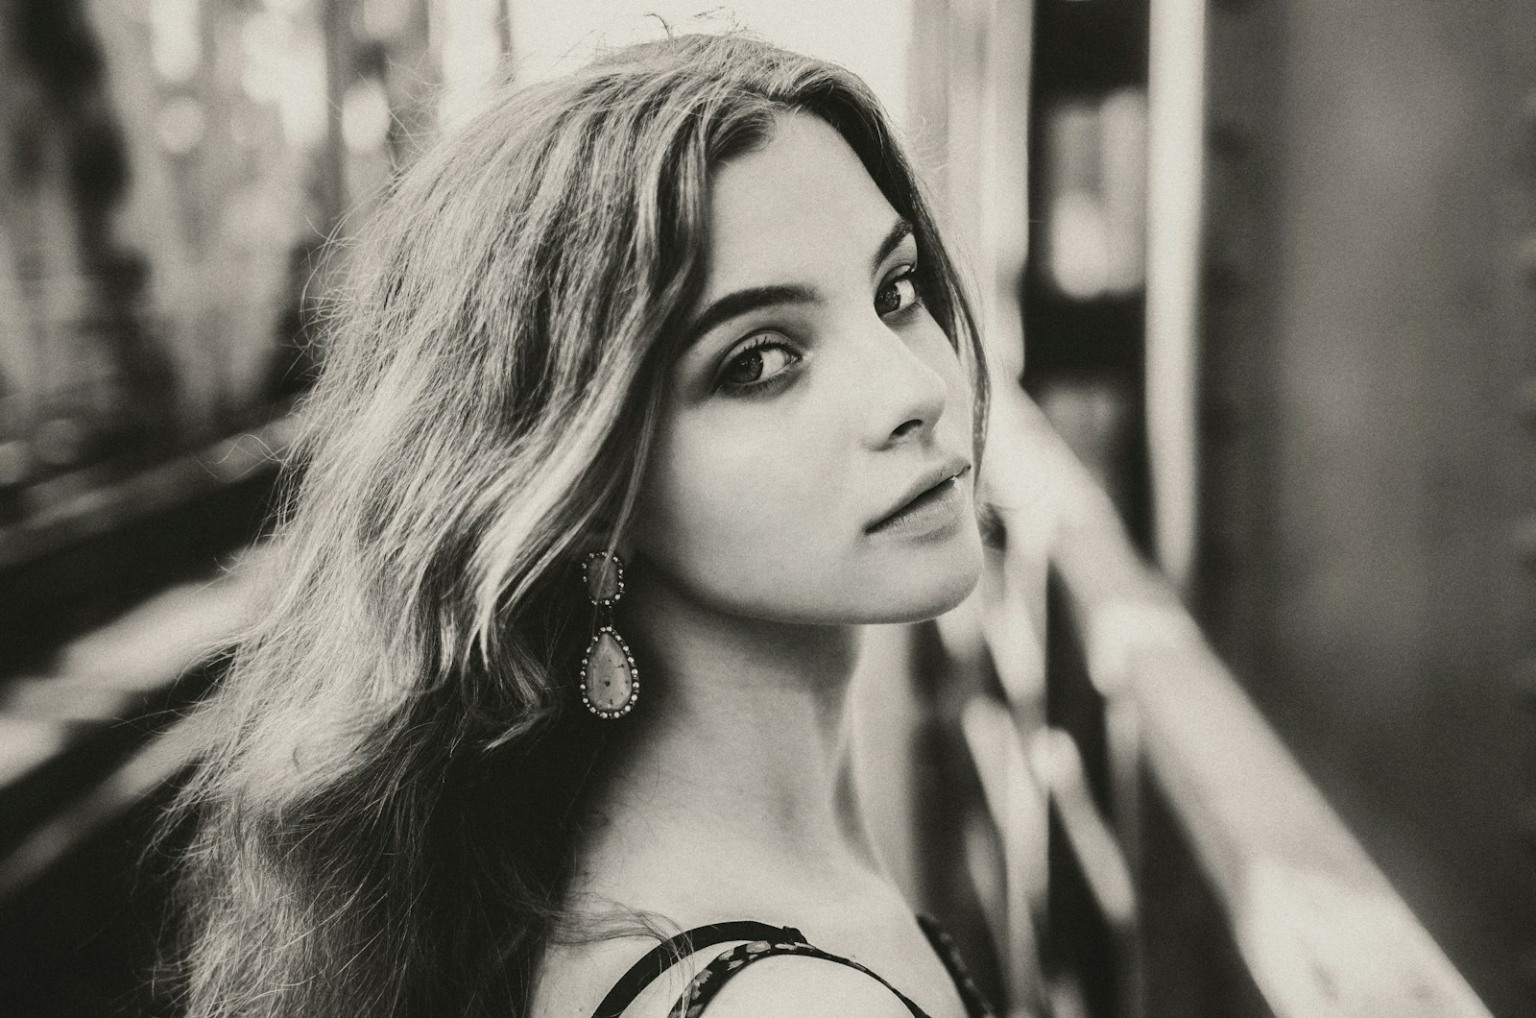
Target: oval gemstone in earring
point(605, 577)
point(609, 682)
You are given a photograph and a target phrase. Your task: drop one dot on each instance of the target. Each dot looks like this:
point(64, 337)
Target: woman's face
point(813, 461)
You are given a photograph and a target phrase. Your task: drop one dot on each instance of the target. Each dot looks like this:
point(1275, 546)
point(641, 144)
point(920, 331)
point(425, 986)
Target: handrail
point(1318, 926)
point(1015, 800)
point(125, 676)
point(82, 504)
point(142, 774)
point(114, 676)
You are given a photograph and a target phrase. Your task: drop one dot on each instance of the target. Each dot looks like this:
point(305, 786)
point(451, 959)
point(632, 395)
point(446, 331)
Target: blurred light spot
point(284, 64)
point(176, 45)
point(26, 743)
point(1123, 157)
point(13, 463)
point(365, 117)
point(1079, 260)
point(1095, 208)
point(181, 125)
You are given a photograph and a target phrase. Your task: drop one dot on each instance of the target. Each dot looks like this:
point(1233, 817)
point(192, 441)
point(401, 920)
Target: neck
point(732, 757)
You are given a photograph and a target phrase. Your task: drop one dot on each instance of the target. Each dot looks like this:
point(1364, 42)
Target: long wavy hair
point(384, 820)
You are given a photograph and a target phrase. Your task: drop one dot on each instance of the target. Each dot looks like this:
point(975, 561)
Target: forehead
point(789, 211)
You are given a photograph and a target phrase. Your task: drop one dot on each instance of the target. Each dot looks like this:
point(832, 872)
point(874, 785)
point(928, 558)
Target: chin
point(929, 587)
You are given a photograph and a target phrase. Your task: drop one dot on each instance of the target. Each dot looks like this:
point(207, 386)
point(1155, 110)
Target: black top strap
point(666, 954)
point(703, 987)
point(976, 1005)
point(759, 941)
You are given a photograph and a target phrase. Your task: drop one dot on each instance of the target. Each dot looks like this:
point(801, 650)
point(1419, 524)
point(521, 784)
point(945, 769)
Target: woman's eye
point(896, 295)
point(758, 364)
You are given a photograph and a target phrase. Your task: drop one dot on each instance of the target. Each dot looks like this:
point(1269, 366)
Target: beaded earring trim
point(610, 682)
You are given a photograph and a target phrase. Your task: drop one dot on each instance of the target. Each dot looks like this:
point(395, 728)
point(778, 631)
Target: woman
point(657, 378)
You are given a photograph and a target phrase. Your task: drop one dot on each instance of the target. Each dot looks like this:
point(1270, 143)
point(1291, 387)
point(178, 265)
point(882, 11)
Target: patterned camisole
point(754, 942)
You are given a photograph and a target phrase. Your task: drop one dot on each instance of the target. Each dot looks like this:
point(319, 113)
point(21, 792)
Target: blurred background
point(1259, 280)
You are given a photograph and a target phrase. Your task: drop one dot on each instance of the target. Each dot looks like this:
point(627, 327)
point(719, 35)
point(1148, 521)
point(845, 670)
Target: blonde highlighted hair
point(384, 820)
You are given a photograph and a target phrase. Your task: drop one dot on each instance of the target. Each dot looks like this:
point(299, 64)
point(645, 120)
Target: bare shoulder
point(800, 987)
point(574, 977)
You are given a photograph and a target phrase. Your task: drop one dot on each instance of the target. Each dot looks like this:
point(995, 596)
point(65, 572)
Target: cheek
point(747, 510)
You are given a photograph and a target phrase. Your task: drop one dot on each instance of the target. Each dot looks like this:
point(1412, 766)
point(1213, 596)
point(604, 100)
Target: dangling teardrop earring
point(610, 683)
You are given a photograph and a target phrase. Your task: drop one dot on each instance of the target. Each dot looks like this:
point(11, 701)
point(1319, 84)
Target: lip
point(926, 496)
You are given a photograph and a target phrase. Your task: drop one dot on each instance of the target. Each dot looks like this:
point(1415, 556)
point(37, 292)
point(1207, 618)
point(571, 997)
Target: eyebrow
point(756, 298)
point(740, 302)
point(899, 231)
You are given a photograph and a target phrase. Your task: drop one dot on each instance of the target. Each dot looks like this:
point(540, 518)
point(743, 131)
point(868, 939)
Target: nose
point(907, 393)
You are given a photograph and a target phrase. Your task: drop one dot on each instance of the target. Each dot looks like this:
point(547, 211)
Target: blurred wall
point(1369, 359)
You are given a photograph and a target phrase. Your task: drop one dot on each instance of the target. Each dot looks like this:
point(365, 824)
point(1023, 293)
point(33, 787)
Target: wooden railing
point(113, 696)
point(86, 729)
point(1317, 929)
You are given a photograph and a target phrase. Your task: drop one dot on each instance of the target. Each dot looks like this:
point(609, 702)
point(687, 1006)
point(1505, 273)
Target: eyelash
point(768, 340)
point(764, 341)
